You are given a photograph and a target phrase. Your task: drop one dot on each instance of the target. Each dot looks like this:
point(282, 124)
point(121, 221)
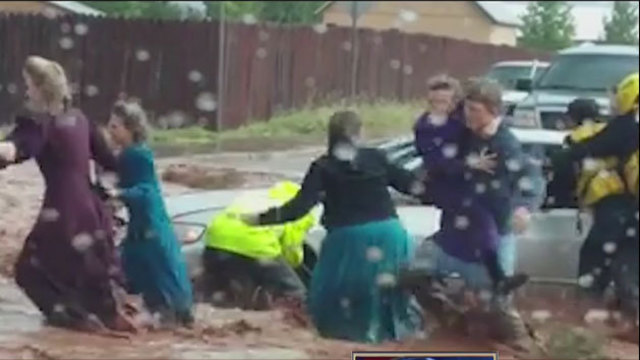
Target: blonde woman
point(68, 266)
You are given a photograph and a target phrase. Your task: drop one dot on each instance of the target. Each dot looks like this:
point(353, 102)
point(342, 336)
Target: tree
point(163, 10)
point(622, 26)
point(547, 25)
point(282, 12)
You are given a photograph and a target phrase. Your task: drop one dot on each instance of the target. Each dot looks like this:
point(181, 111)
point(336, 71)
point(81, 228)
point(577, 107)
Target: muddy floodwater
point(222, 334)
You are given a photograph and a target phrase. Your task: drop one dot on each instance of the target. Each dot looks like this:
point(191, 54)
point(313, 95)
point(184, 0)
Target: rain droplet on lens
point(485, 295)
point(551, 200)
point(81, 29)
point(344, 152)
point(82, 242)
point(310, 82)
point(142, 55)
point(525, 184)
point(91, 90)
point(219, 296)
point(206, 102)
point(408, 16)
point(374, 254)
point(12, 88)
point(462, 222)
point(450, 151)
point(49, 13)
point(632, 233)
point(49, 215)
point(195, 76)
point(386, 280)
point(345, 303)
point(590, 164)
point(320, 28)
point(261, 53)
point(496, 184)
point(423, 48)
point(417, 188)
point(597, 271)
point(346, 46)
point(58, 308)
point(395, 64)
point(514, 165)
point(610, 247)
point(586, 281)
point(65, 28)
point(66, 43)
point(377, 40)
point(249, 19)
point(481, 188)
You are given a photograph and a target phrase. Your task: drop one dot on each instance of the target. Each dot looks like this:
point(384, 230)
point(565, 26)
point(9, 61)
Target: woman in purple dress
point(68, 266)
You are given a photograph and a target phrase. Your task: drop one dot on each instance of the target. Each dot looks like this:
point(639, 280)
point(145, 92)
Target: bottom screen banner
point(423, 356)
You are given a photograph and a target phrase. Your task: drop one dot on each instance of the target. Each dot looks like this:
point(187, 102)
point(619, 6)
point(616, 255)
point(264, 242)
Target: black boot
point(511, 283)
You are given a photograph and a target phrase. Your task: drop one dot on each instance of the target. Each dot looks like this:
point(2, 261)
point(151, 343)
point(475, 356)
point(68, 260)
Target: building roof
point(494, 10)
point(76, 7)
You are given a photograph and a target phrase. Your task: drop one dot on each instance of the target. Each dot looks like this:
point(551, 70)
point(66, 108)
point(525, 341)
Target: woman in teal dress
point(151, 256)
point(353, 293)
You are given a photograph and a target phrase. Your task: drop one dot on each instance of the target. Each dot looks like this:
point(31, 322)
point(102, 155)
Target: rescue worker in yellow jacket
point(265, 256)
point(607, 184)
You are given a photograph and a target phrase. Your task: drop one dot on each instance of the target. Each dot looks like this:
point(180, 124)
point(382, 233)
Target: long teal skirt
point(352, 294)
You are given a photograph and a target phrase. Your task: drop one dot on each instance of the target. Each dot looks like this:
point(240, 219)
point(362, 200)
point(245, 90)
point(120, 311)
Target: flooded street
point(218, 334)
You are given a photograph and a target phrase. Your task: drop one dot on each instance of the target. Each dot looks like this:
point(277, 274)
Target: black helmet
point(583, 109)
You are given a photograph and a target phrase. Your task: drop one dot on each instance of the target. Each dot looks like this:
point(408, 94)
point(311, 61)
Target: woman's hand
point(484, 161)
point(8, 151)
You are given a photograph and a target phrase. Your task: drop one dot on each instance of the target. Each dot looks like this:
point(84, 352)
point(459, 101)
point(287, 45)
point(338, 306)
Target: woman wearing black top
point(353, 294)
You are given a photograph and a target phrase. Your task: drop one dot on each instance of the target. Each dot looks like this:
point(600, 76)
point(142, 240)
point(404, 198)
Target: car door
point(549, 250)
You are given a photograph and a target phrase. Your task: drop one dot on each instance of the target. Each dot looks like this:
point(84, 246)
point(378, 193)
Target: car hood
point(198, 207)
point(562, 99)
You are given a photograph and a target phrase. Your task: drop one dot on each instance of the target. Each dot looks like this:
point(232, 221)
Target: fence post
point(221, 69)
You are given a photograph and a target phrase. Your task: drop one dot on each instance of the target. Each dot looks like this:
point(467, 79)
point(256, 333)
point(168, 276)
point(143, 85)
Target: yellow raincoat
point(227, 232)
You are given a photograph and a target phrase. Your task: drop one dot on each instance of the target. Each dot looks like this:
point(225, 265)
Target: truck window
point(587, 72)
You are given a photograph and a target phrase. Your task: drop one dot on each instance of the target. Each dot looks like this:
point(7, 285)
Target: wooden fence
point(173, 66)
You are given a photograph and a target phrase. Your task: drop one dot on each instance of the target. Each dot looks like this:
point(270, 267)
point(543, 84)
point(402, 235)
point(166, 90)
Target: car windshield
point(587, 72)
point(508, 75)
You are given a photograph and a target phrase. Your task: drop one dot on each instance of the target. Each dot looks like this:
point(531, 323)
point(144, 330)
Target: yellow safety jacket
point(227, 232)
point(598, 178)
point(631, 169)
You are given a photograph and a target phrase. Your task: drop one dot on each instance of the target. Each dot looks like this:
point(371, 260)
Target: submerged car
point(548, 251)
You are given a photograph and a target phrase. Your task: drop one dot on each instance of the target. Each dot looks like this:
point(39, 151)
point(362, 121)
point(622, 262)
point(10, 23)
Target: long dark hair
point(344, 126)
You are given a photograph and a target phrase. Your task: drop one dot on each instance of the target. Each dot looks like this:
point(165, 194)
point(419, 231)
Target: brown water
point(219, 334)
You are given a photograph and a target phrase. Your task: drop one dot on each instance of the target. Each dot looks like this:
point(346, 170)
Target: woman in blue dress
point(151, 256)
point(353, 293)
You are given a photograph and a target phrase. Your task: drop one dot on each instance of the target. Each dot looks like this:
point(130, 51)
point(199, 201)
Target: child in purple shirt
point(468, 230)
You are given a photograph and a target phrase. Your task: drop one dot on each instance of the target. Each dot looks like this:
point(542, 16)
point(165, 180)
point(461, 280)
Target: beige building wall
point(34, 7)
point(454, 19)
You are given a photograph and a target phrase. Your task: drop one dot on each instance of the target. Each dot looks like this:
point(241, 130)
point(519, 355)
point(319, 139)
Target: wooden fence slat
point(268, 68)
